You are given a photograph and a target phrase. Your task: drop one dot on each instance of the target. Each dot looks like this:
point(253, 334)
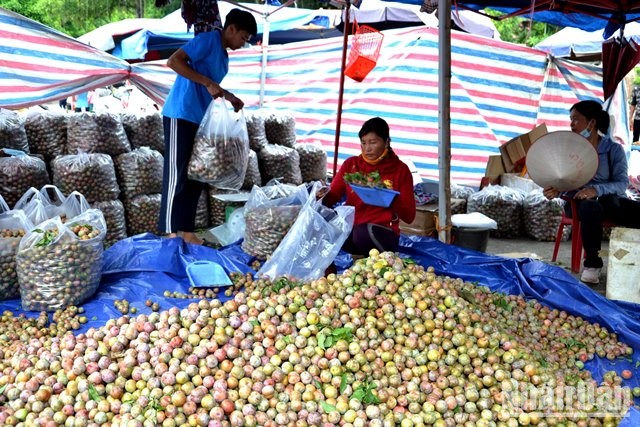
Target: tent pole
point(444, 123)
point(345, 43)
point(265, 47)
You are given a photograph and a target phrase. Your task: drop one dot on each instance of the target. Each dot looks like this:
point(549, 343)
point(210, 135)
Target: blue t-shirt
point(188, 100)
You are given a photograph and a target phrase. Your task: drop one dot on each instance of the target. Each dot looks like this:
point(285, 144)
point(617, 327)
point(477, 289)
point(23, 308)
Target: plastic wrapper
point(142, 213)
point(54, 201)
point(503, 205)
point(256, 130)
point(139, 172)
point(221, 148)
point(252, 176)
point(219, 210)
point(93, 175)
point(313, 162)
point(268, 219)
point(280, 127)
point(3, 205)
point(18, 174)
point(542, 217)
point(202, 210)
point(13, 226)
point(96, 133)
point(461, 191)
point(113, 212)
point(12, 132)
point(281, 163)
point(47, 132)
point(60, 264)
point(144, 130)
point(312, 243)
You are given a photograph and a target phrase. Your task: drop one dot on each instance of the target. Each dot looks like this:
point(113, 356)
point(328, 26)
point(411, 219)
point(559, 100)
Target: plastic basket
point(365, 49)
point(375, 196)
point(207, 274)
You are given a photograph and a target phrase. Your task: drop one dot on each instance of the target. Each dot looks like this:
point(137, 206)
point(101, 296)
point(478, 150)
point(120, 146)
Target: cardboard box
point(516, 149)
point(424, 223)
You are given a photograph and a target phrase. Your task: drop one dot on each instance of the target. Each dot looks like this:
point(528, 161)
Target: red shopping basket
point(364, 53)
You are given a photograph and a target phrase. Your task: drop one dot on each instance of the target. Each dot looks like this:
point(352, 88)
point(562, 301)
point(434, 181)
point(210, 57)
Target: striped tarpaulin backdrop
point(39, 64)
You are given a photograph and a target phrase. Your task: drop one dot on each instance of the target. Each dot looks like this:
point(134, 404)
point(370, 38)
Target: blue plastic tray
point(375, 196)
point(207, 274)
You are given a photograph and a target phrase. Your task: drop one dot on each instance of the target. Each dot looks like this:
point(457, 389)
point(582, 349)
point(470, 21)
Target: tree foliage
point(521, 30)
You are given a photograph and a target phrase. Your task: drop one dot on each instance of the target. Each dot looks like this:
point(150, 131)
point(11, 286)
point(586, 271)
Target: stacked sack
point(144, 130)
point(503, 205)
point(14, 224)
point(542, 217)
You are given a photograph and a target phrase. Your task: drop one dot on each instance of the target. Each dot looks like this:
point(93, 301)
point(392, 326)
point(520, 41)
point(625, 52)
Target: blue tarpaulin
point(145, 266)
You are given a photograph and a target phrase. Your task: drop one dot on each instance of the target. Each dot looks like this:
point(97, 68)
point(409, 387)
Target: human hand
point(235, 101)
point(214, 89)
point(550, 193)
point(586, 193)
point(322, 192)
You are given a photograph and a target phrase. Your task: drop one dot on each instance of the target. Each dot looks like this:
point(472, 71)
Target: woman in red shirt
point(375, 226)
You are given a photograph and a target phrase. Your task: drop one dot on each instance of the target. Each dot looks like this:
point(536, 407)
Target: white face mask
point(586, 133)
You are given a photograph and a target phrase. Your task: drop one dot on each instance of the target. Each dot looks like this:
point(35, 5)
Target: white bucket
point(624, 265)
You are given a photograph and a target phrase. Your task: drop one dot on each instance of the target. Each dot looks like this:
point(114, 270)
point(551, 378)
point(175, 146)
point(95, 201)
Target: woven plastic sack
point(256, 130)
point(280, 127)
point(312, 243)
point(313, 161)
point(221, 148)
point(96, 133)
point(93, 175)
point(47, 132)
point(252, 176)
point(144, 129)
point(18, 174)
point(281, 163)
point(13, 226)
point(268, 219)
point(60, 264)
point(142, 213)
point(114, 217)
point(503, 205)
point(139, 172)
point(12, 132)
point(542, 217)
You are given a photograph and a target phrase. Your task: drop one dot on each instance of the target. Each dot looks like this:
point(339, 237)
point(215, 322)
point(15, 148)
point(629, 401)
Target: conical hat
point(563, 160)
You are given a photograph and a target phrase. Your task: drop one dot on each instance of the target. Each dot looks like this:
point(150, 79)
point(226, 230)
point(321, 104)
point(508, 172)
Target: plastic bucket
point(470, 238)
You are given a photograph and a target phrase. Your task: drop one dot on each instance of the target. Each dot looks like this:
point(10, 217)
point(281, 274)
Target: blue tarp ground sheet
point(145, 266)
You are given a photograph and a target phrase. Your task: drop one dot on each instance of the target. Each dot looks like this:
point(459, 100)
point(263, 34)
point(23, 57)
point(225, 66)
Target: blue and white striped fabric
point(499, 90)
point(39, 64)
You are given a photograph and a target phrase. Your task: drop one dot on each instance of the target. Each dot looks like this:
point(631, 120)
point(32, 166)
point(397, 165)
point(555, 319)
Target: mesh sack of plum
point(252, 175)
point(313, 161)
point(256, 130)
point(142, 213)
point(144, 130)
point(12, 132)
point(221, 149)
point(13, 226)
point(281, 163)
point(96, 133)
point(139, 172)
point(18, 174)
point(503, 205)
point(280, 127)
point(60, 264)
point(47, 132)
point(92, 174)
point(542, 217)
point(114, 217)
point(268, 220)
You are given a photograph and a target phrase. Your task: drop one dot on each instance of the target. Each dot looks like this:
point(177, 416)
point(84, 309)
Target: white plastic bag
point(13, 226)
point(313, 241)
point(221, 149)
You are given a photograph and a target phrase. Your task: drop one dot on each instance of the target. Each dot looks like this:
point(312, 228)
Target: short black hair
point(376, 125)
point(242, 20)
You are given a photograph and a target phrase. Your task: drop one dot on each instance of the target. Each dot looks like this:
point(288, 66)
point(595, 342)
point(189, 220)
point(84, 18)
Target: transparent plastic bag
point(18, 174)
point(312, 243)
point(219, 210)
point(92, 174)
point(144, 130)
point(202, 210)
point(3, 205)
point(13, 226)
point(279, 162)
point(142, 213)
point(256, 130)
point(252, 176)
point(313, 161)
point(47, 132)
point(221, 148)
point(542, 217)
point(114, 217)
point(280, 127)
point(74, 204)
point(503, 205)
point(60, 264)
point(12, 132)
point(268, 219)
point(53, 200)
point(139, 172)
point(460, 191)
point(96, 133)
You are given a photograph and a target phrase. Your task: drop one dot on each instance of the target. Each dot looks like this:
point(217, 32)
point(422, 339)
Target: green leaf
point(637, 364)
point(343, 383)
point(93, 393)
point(287, 339)
point(384, 270)
point(343, 333)
point(321, 340)
point(318, 385)
point(3, 388)
point(254, 322)
point(358, 394)
point(407, 261)
point(327, 408)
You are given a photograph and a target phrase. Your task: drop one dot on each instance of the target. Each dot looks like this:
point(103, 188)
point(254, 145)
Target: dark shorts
point(365, 237)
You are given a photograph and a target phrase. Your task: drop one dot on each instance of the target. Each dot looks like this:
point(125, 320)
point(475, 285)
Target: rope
point(438, 228)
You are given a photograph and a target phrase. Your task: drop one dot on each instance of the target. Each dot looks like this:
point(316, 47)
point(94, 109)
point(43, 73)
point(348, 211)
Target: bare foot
point(192, 238)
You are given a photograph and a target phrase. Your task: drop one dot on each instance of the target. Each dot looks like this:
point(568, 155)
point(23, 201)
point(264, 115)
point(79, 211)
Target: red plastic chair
point(576, 237)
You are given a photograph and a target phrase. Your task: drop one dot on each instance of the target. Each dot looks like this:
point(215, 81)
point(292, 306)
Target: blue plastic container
point(207, 274)
point(375, 196)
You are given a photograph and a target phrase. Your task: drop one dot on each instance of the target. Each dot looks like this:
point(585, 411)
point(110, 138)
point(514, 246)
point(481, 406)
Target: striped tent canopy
point(39, 64)
point(499, 90)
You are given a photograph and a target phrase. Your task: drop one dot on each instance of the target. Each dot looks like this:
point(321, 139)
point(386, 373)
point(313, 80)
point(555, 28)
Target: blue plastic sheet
point(143, 267)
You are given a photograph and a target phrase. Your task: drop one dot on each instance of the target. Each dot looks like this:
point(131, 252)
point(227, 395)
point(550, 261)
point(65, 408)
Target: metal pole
point(343, 65)
point(265, 48)
point(444, 123)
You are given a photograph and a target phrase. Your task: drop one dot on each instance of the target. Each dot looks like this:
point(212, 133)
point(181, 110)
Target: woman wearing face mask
point(602, 198)
point(374, 226)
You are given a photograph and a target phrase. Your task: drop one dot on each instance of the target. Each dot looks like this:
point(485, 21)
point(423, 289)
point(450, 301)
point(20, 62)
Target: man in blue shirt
point(201, 65)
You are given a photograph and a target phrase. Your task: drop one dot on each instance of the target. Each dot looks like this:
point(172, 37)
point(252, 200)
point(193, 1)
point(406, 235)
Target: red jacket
point(390, 168)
